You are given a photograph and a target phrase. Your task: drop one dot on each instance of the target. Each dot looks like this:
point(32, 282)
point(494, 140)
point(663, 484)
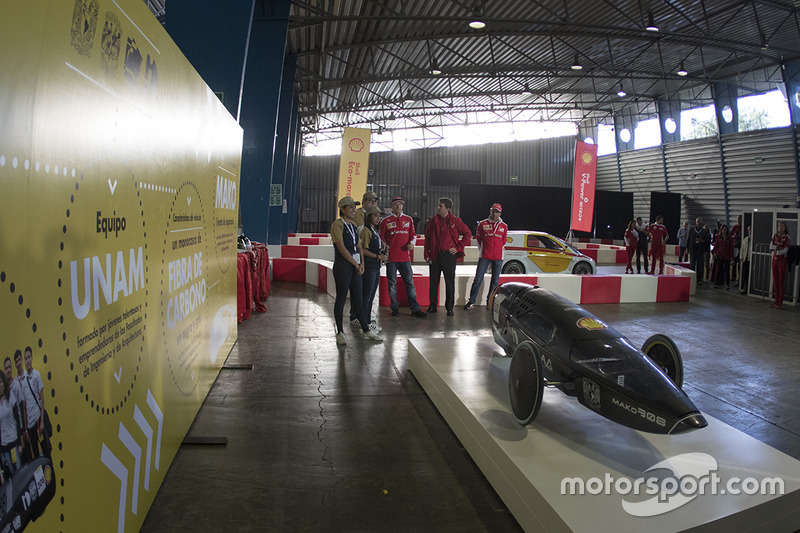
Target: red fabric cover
point(244, 283)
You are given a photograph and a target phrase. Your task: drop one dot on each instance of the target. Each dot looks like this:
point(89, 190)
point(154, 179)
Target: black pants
point(347, 280)
point(641, 250)
point(698, 262)
point(445, 264)
point(745, 275)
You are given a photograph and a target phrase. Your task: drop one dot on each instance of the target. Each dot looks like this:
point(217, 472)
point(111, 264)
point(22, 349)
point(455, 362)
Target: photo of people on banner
point(25, 450)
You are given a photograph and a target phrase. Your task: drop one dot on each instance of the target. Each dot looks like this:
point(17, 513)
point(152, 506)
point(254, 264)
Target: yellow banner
point(120, 172)
point(354, 163)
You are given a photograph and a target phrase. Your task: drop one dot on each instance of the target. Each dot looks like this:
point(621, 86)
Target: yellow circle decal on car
point(590, 323)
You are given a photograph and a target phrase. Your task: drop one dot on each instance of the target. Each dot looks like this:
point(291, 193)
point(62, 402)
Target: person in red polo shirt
point(397, 231)
point(445, 239)
point(491, 233)
point(658, 237)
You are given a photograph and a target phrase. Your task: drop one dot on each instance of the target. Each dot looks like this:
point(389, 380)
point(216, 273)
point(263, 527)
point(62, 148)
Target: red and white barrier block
point(677, 286)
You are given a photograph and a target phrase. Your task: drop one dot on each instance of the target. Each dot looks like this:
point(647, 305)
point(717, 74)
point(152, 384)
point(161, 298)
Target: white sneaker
point(375, 327)
point(340, 339)
point(355, 322)
point(372, 336)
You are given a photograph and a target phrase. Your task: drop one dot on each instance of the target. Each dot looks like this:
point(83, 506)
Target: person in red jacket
point(723, 253)
point(779, 247)
point(445, 239)
point(397, 231)
point(658, 237)
point(491, 234)
point(631, 243)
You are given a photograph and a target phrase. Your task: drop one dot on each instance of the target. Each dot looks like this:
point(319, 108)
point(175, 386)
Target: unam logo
point(356, 145)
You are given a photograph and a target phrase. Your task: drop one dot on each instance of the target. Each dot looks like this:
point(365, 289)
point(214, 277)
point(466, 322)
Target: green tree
point(700, 129)
point(754, 119)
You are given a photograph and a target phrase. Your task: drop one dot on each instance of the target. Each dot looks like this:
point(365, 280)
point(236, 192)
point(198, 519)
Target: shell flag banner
point(120, 175)
point(354, 163)
point(583, 186)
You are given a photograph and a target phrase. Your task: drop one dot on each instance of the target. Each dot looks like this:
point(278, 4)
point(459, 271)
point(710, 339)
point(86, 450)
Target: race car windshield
point(569, 247)
point(617, 360)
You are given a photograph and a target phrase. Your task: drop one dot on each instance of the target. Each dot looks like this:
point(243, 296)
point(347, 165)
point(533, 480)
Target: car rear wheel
point(513, 267)
point(525, 382)
point(582, 268)
point(665, 354)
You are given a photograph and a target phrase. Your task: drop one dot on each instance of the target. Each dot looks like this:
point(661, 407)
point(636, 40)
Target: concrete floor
point(325, 438)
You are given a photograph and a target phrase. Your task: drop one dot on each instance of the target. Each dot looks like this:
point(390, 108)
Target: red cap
point(498, 207)
point(398, 199)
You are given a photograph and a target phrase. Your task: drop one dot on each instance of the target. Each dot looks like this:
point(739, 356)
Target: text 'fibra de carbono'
point(182, 272)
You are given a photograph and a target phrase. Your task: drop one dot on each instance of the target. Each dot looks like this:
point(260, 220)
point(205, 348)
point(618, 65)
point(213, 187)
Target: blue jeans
point(408, 278)
point(347, 280)
point(483, 265)
point(372, 277)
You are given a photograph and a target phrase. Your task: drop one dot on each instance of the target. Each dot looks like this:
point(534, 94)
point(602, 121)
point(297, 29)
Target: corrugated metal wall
point(693, 168)
point(544, 163)
point(760, 169)
point(607, 173)
point(642, 171)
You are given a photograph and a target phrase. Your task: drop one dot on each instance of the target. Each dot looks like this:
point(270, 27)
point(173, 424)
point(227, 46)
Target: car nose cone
point(690, 423)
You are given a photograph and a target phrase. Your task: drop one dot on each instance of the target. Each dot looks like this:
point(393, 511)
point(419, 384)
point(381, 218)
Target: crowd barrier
point(676, 285)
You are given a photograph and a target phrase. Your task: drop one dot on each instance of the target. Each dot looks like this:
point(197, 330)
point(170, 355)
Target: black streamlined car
point(555, 342)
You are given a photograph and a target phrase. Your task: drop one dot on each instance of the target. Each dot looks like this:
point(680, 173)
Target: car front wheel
point(582, 268)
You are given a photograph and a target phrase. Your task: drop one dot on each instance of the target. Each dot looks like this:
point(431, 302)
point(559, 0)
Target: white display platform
point(466, 378)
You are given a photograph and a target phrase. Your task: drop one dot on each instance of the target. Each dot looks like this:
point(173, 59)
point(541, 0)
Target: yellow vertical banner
point(354, 163)
point(120, 172)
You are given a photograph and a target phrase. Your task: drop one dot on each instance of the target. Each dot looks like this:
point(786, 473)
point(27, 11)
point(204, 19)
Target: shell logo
point(356, 145)
point(590, 323)
point(509, 239)
point(587, 158)
point(48, 474)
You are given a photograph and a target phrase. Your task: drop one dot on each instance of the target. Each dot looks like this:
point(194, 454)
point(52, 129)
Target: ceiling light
point(408, 99)
point(576, 65)
point(764, 43)
point(651, 23)
point(621, 93)
point(526, 90)
point(682, 71)
point(477, 24)
point(435, 70)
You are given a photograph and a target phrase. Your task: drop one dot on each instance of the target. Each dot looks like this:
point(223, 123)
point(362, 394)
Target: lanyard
point(351, 231)
point(377, 236)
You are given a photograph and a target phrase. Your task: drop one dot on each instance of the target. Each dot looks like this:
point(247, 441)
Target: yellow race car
point(532, 252)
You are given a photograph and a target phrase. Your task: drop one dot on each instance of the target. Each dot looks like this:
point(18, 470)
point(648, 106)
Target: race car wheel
point(582, 268)
point(525, 382)
point(513, 267)
point(665, 354)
